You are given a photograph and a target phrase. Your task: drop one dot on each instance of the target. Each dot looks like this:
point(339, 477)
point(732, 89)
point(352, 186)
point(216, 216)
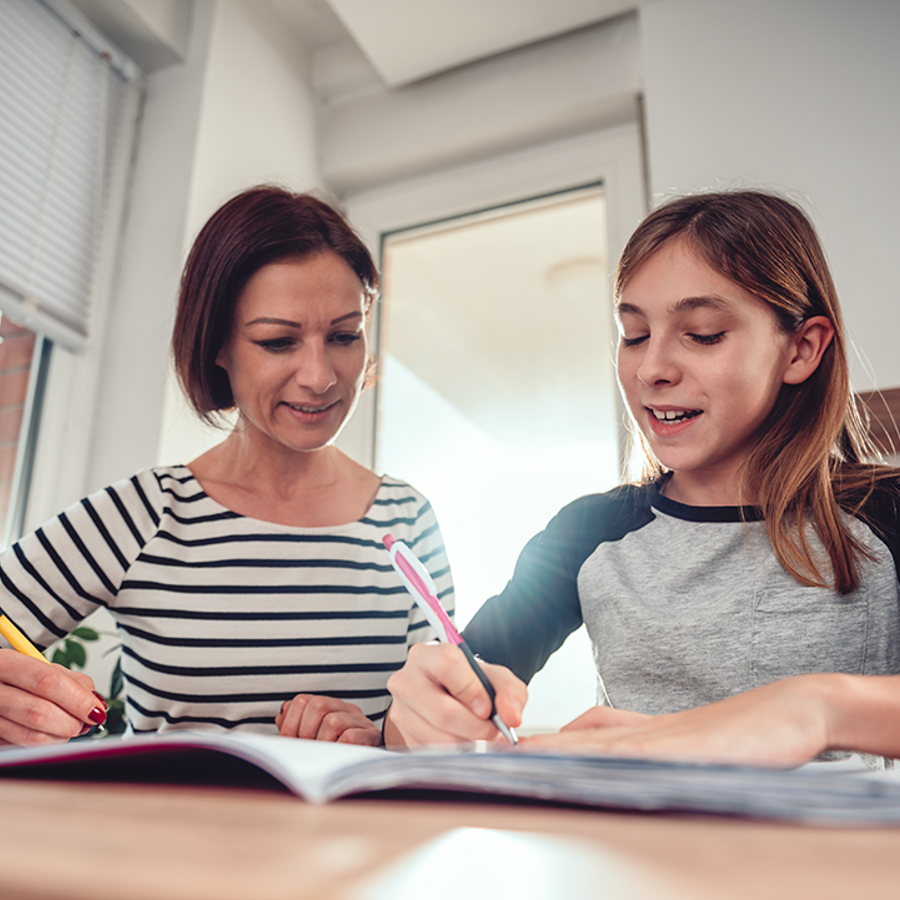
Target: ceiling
point(407, 40)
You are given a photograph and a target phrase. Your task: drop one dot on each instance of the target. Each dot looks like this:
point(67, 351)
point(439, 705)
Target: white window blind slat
point(58, 84)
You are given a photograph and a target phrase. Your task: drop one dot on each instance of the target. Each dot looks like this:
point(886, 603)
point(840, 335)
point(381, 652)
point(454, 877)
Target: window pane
point(17, 356)
point(497, 393)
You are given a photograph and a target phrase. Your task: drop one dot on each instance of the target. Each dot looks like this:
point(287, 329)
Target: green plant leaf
point(86, 634)
point(60, 657)
point(116, 722)
point(76, 652)
point(114, 649)
point(116, 682)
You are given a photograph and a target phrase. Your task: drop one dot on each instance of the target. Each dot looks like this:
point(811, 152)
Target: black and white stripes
point(223, 617)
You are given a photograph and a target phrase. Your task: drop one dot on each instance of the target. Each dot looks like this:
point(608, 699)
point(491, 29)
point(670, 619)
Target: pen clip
point(419, 583)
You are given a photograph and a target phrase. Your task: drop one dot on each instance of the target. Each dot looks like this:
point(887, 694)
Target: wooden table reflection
point(72, 841)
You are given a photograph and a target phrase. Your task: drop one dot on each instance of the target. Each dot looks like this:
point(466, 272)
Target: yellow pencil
point(19, 641)
point(23, 645)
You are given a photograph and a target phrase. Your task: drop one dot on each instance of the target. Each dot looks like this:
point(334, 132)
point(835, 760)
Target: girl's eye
point(633, 342)
point(346, 338)
point(707, 338)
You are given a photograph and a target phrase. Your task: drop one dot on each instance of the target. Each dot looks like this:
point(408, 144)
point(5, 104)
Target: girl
point(250, 587)
point(742, 599)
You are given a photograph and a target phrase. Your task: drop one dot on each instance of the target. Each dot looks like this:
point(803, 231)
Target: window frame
point(56, 435)
point(613, 157)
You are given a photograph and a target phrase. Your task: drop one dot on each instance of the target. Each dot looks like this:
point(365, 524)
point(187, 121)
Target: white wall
point(797, 95)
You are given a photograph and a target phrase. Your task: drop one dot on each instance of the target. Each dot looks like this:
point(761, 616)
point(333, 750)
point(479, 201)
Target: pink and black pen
point(419, 583)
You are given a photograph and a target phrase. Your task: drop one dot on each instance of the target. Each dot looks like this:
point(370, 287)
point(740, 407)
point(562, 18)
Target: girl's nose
point(658, 365)
point(315, 371)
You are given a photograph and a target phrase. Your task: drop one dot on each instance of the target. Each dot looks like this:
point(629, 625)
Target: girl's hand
point(438, 699)
point(43, 704)
point(781, 724)
point(320, 718)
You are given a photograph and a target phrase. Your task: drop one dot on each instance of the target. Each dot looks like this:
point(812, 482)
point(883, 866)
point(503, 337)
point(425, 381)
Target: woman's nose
point(316, 371)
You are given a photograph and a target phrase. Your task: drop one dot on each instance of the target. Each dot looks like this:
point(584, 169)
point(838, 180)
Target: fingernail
point(97, 715)
point(101, 699)
point(84, 730)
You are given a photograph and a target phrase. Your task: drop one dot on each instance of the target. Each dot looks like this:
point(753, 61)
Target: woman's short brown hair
point(259, 226)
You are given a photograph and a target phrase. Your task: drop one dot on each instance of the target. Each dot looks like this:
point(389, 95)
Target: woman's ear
point(810, 342)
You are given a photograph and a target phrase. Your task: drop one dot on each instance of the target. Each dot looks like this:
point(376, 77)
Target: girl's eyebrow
point(711, 302)
point(267, 320)
point(628, 309)
point(685, 304)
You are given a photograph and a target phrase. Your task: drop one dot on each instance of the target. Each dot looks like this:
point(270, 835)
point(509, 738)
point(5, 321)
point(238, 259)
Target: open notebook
point(831, 793)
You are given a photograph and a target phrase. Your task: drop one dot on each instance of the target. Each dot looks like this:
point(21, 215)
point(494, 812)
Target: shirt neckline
point(700, 513)
point(281, 527)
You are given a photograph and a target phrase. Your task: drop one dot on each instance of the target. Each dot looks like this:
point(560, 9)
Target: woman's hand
point(783, 723)
point(43, 704)
point(438, 699)
point(320, 718)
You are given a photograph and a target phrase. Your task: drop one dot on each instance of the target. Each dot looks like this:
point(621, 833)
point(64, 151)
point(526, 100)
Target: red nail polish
point(101, 699)
point(97, 715)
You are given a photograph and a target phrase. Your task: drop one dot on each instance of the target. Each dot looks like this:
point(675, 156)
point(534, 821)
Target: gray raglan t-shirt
point(687, 605)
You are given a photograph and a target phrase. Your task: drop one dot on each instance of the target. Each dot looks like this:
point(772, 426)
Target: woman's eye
point(707, 338)
point(276, 345)
point(346, 338)
point(633, 341)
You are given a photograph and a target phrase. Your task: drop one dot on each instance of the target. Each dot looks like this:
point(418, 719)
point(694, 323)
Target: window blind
point(61, 89)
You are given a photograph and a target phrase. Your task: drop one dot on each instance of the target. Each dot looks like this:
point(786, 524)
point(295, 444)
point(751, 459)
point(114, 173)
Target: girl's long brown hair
point(812, 457)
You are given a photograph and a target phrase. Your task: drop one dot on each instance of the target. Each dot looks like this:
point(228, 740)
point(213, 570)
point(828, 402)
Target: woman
point(742, 600)
point(250, 587)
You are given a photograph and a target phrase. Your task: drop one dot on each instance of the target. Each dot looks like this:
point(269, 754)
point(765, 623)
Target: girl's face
point(700, 363)
point(296, 355)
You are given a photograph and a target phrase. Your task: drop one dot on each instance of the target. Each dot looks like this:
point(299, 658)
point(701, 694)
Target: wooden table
point(73, 841)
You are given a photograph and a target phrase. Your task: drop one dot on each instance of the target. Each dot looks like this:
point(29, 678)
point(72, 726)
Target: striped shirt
point(222, 617)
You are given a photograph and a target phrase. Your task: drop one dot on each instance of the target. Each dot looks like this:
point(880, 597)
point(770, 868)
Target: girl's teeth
point(671, 415)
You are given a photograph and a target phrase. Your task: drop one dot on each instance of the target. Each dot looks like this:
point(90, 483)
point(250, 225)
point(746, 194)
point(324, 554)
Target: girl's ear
point(809, 343)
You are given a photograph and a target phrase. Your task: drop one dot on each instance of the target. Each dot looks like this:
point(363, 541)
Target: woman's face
point(700, 363)
point(296, 355)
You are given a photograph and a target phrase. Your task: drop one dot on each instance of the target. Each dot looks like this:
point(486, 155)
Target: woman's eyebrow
point(270, 320)
point(350, 315)
point(267, 320)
